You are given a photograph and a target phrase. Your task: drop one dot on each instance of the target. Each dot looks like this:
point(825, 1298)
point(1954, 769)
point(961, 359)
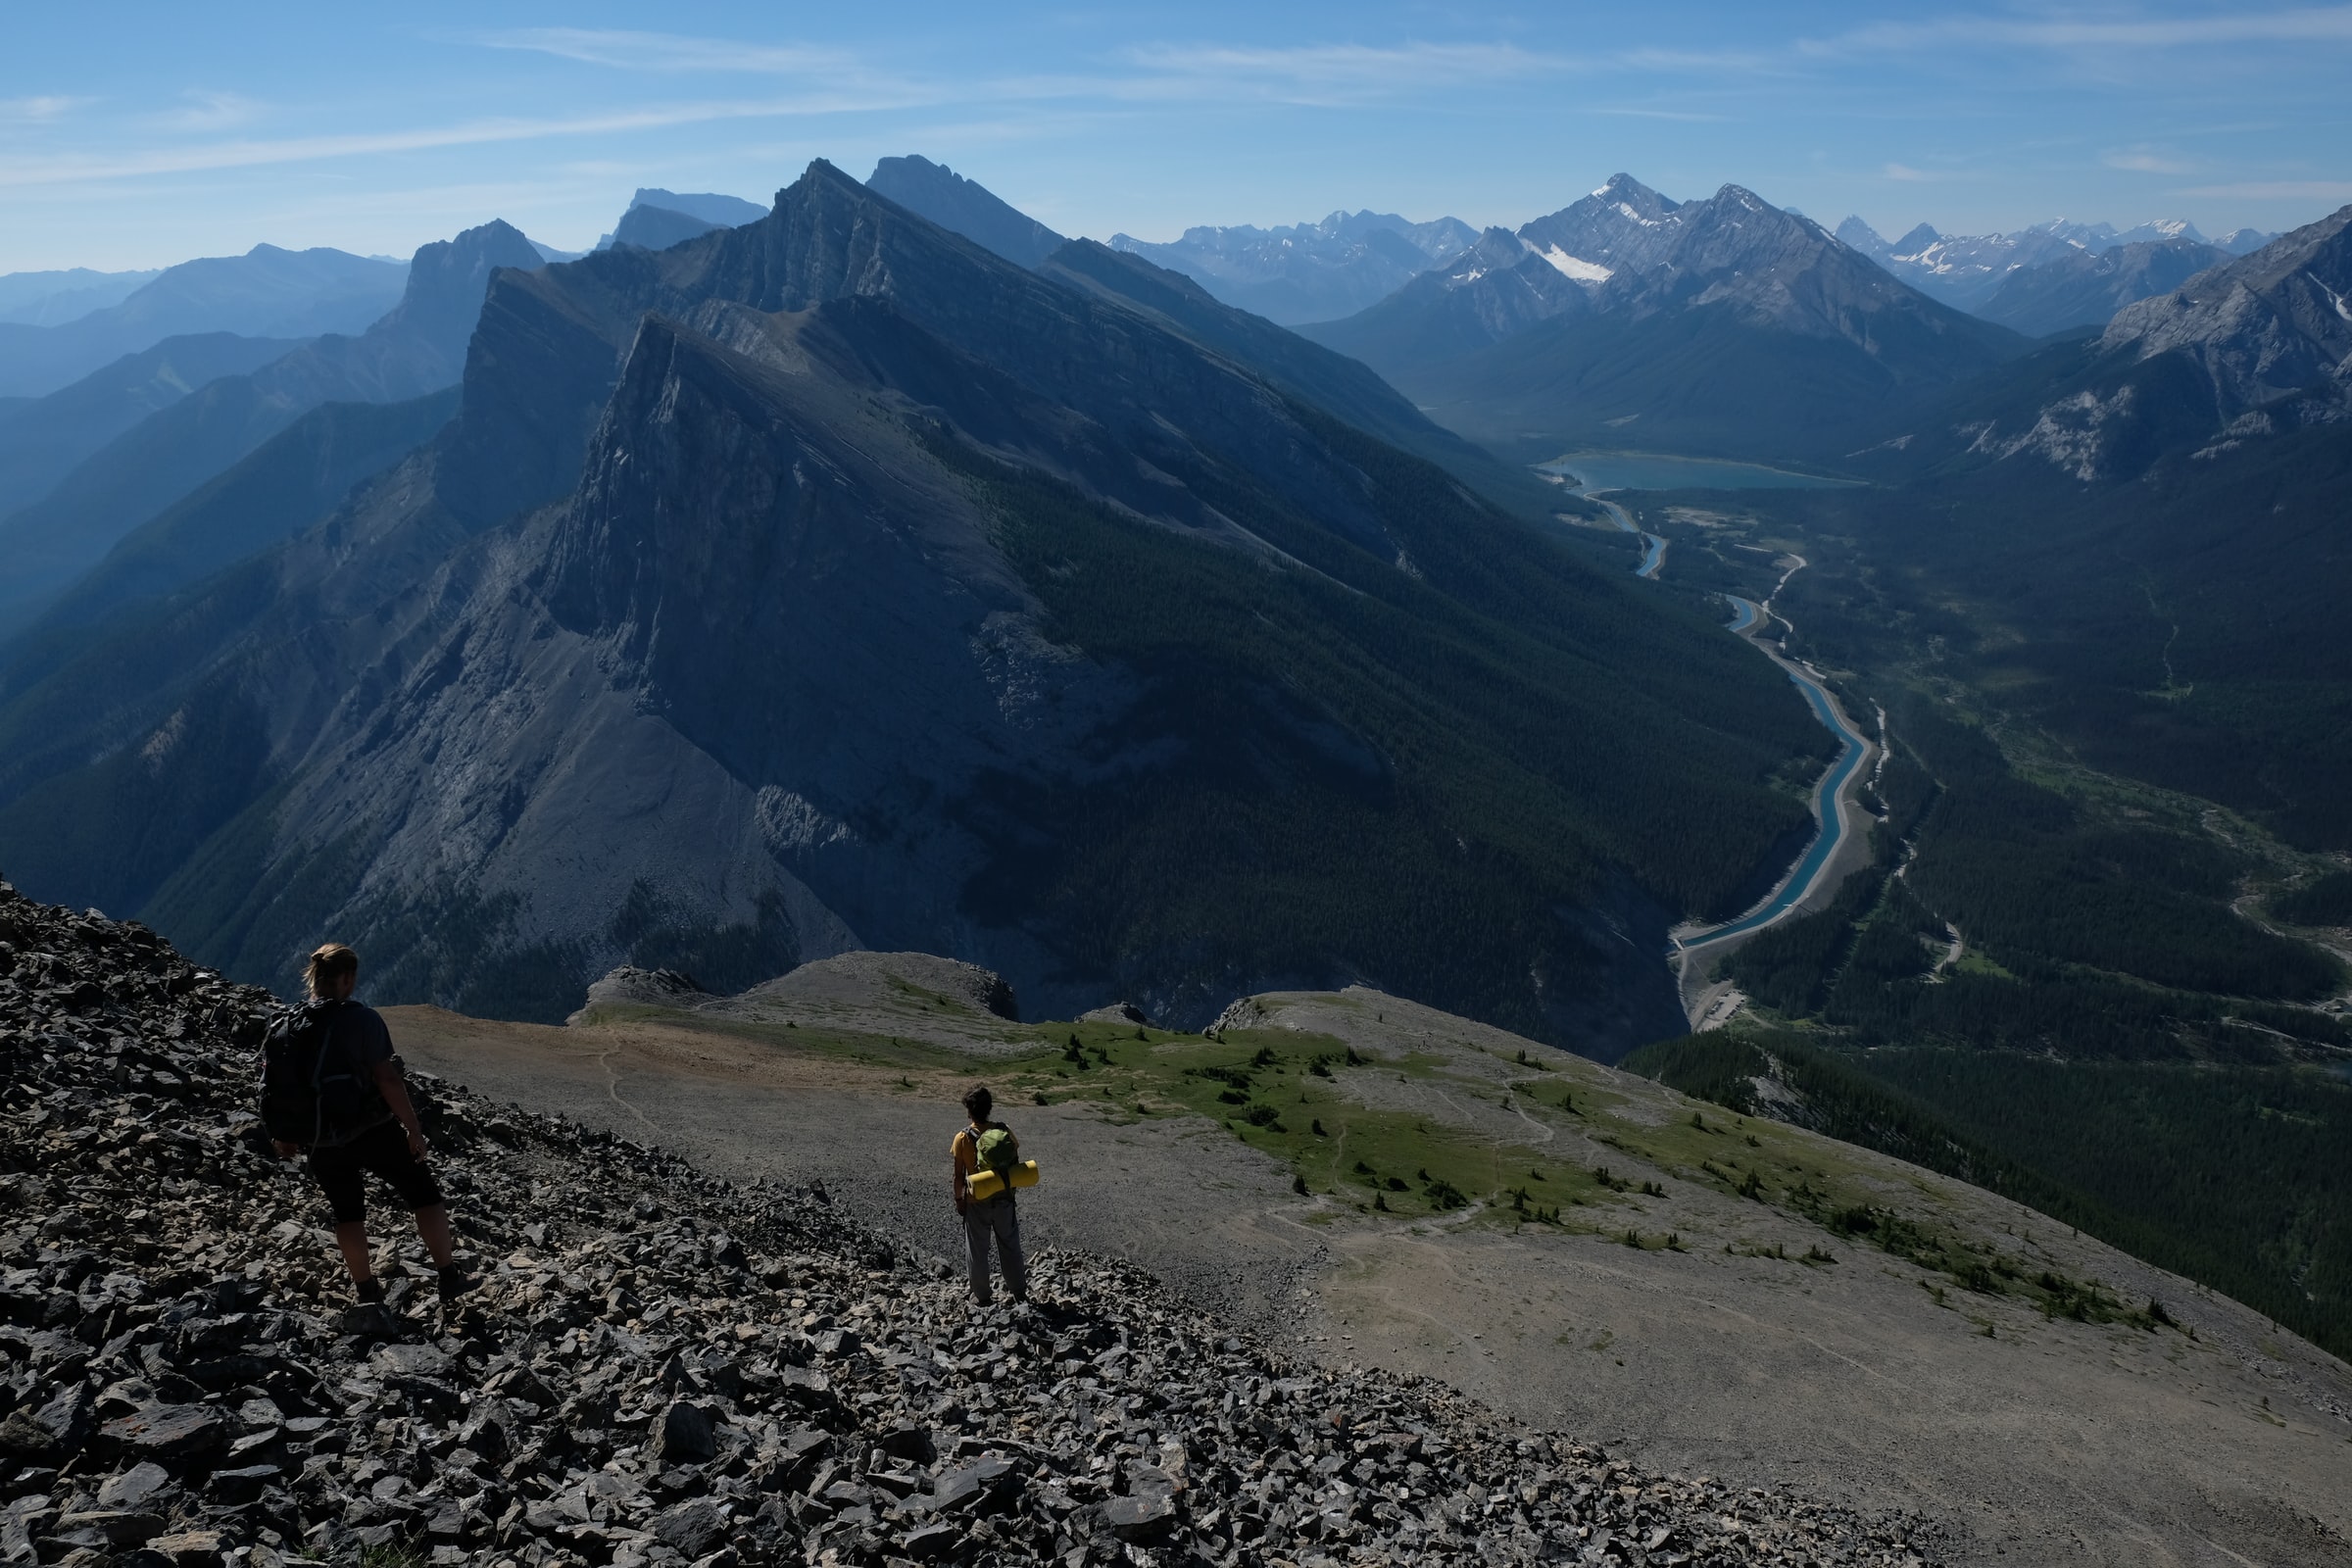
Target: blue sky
point(139, 135)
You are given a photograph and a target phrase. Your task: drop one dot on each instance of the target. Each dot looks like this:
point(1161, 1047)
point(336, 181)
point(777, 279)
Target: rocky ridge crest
point(659, 1367)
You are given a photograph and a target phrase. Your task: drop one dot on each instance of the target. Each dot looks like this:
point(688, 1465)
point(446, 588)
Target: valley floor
point(1869, 1379)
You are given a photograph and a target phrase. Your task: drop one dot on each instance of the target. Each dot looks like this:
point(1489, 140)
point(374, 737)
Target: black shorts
point(338, 1169)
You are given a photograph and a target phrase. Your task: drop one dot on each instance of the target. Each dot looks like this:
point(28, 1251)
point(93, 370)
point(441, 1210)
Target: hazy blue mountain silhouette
point(42, 439)
point(417, 347)
point(965, 207)
point(266, 292)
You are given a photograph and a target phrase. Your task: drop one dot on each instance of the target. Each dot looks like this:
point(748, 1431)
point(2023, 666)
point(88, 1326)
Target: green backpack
point(996, 1151)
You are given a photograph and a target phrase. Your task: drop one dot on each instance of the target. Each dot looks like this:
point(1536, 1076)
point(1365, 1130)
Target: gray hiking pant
point(995, 1220)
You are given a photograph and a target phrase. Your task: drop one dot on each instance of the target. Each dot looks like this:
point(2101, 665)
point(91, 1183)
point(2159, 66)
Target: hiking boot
point(369, 1291)
point(455, 1282)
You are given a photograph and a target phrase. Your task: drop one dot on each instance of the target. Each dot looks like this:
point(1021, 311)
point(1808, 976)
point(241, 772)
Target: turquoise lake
point(1642, 470)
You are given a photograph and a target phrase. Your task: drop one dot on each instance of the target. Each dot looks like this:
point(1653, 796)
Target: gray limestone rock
point(631, 1382)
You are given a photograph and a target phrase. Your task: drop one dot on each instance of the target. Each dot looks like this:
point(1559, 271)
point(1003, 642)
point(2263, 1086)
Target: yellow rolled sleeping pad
point(987, 1183)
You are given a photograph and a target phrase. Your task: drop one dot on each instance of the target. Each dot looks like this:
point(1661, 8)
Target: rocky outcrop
point(853, 979)
point(658, 1368)
point(630, 985)
point(2263, 327)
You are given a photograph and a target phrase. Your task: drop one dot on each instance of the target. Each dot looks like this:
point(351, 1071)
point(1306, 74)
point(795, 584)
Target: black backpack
point(312, 1091)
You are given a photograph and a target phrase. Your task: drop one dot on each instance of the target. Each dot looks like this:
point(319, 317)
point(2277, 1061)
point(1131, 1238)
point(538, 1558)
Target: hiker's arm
point(395, 1090)
point(958, 1193)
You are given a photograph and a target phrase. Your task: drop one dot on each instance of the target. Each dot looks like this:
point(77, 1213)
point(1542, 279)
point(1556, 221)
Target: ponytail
point(331, 964)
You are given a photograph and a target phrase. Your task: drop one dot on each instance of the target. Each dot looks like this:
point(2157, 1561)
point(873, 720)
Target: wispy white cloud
point(2307, 25)
point(1684, 115)
point(63, 169)
point(210, 111)
point(2146, 160)
point(33, 111)
point(1905, 173)
point(670, 52)
point(1326, 74)
point(2277, 190)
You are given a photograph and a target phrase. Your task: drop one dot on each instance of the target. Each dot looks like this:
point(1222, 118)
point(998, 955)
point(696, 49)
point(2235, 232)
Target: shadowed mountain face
point(656, 220)
point(1627, 320)
point(2086, 288)
point(416, 348)
point(657, 228)
point(1309, 271)
point(830, 581)
point(267, 292)
point(965, 207)
point(2250, 349)
point(43, 438)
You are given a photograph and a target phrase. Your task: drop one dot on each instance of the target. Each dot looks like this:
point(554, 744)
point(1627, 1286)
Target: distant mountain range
point(1309, 271)
point(266, 292)
point(42, 439)
point(2086, 288)
point(833, 580)
point(1724, 326)
point(50, 299)
point(1969, 271)
point(417, 347)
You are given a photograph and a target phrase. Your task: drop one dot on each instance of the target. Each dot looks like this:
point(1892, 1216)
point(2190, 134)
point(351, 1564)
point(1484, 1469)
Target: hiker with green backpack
point(987, 1166)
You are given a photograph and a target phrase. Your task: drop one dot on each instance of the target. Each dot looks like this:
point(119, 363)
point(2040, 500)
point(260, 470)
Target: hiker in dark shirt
point(985, 1219)
point(392, 1145)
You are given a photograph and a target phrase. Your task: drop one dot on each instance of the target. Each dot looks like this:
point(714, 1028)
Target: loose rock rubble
point(662, 1368)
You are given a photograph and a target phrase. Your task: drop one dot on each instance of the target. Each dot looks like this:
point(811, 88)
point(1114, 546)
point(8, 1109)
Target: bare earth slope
point(1707, 1343)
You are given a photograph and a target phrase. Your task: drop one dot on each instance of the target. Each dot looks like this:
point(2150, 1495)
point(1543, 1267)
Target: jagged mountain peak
point(1621, 187)
point(448, 278)
point(965, 206)
point(1860, 236)
point(1916, 239)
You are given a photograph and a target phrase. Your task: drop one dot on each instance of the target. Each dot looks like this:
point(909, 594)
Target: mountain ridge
point(1078, 514)
point(267, 292)
point(417, 347)
point(1724, 327)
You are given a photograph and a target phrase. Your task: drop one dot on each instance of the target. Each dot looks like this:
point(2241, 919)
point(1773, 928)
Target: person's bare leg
point(433, 1225)
point(352, 1240)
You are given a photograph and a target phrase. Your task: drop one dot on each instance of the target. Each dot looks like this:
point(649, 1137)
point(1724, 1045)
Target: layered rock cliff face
point(830, 582)
point(658, 1368)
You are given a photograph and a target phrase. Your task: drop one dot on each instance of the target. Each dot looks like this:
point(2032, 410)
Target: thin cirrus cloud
point(2305, 24)
point(2265, 190)
point(1411, 65)
point(35, 111)
point(68, 169)
point(2143, 161)
point(673, 53)
point(210, 111)
point(1314, 73)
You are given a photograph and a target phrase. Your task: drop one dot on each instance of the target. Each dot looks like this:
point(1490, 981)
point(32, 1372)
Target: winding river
point(1835, 813)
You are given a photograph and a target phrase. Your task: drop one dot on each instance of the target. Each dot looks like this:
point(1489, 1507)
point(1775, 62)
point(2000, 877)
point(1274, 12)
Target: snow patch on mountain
point(1577, 267)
